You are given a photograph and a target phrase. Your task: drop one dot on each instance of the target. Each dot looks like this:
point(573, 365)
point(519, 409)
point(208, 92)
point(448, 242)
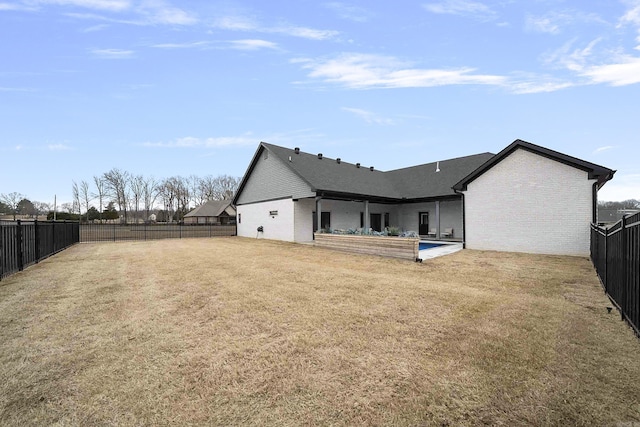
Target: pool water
point(423, 245)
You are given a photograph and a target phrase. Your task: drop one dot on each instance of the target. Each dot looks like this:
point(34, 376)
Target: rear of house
point(493, 202)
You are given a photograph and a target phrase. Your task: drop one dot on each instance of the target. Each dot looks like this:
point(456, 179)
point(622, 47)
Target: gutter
point(464, 220)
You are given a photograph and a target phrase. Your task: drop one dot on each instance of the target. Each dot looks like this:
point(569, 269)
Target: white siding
point(276, 227)
point(270, 179)
point(303, 219)
point(529, 203)
point(450, 216)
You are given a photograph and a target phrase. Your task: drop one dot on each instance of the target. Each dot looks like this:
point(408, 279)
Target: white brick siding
point(529, 203)
point(276, 227)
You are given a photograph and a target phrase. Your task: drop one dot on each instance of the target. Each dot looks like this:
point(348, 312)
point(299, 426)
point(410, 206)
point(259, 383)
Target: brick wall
point(529, 203)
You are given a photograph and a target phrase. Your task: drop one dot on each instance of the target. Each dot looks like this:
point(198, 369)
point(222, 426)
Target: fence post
point(37, 242)
point(19, 245)
point(625, 253)
point(1, 251)
point(606, 260)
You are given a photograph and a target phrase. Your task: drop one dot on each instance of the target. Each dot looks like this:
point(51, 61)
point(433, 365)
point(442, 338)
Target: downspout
point(464, 220)
point(594, 197)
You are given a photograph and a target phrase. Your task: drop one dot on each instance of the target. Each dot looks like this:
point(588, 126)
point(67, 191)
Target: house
point(487, 201)
point(218, 212)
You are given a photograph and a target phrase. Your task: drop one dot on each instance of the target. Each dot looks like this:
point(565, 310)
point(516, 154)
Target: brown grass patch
point(235, 331)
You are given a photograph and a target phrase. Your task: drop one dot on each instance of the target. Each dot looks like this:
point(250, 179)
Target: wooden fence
point(120, 232)
point(615, 253)
point(397, 247)
point(28, 242)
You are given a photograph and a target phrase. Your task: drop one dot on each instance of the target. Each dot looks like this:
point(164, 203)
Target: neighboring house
point(212, 212)
point(496, 202)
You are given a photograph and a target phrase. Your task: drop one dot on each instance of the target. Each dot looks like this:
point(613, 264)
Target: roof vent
point(297, 150)
point(438, 167)
point(357, 165)
point(371, 168)
point(320, 156)
point(338, 160)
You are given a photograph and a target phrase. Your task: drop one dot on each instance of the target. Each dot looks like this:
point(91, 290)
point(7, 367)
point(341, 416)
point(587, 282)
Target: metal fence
point(615, 252)
point(119, 232)
point(23, 243)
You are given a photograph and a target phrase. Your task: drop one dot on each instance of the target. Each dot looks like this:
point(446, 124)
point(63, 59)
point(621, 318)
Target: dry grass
point(233, 331)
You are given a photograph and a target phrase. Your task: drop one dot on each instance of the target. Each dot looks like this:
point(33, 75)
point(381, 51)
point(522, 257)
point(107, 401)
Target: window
point(386, 219)
point(325, 221)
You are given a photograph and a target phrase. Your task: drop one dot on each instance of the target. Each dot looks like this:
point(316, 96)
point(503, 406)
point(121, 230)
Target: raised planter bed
point(395, 247)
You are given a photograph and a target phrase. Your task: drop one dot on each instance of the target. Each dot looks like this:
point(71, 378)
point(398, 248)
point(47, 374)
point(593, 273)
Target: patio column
point(438, 219)
point(367, 219)
point(318, 214)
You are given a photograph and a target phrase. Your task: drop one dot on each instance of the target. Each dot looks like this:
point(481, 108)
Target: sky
point(166, 88)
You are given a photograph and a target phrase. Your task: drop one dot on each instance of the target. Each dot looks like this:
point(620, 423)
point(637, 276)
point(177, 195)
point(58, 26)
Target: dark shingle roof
point(326, 175)
point(601, 173)
point(211, 208)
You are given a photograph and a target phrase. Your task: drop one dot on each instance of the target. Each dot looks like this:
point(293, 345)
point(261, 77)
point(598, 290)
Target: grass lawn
point(231, 331)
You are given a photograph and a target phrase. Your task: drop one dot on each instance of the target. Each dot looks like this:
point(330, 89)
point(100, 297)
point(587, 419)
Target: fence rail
point(615, 253)
point(119, 232)
point(28, 242)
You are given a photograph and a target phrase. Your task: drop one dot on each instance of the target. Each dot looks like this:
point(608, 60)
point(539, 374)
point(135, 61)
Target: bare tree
point(76, 198)
point(149, 195)
point(137, 189)
point(207, 188)
point(225, 187)
point(117, 186)
point(42, 208)
point(100, 192)
point(12, 200)
point(168, 195)
point(195, 190)
point(85, 196)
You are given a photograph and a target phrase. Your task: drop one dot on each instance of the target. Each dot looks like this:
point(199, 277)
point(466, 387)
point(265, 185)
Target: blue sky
point(164, 88)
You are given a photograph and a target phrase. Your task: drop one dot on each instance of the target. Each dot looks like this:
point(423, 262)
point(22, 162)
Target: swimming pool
point(425, 245)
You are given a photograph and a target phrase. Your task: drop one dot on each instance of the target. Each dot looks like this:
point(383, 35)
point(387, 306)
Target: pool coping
point(446, 249)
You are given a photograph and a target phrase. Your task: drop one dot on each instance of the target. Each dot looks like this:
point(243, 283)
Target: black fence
point(120, 232)
point(615, 252)
point(23, 243)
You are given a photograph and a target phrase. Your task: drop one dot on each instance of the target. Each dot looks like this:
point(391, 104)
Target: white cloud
point(112, 53)
point(461, 7)
point(602, 149)
point(349, 11)
point(365, 71)
point(191, 142)
point(253, 44)
point(157, 12)
point(107, 5)
point(368, 116)
point(17, 7)
point(187, 45)
point(58, 147)
point(542, 24)
point(556, 21)
point(244, 23)
point(624, 72)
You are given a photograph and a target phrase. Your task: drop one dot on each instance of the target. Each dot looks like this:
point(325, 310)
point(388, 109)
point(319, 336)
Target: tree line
point(130, 197)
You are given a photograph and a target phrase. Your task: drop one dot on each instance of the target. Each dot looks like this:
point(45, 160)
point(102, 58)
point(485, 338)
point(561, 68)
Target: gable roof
point(210, 209)
point(601, 173)
point(339, 179)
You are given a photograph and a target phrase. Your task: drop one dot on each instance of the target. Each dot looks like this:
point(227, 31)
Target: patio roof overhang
point(352, 197)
